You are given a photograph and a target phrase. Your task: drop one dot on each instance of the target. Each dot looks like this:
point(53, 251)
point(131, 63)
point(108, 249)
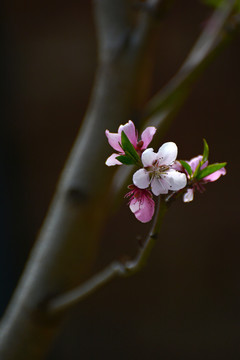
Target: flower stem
point(115, 269)
point(135, 265)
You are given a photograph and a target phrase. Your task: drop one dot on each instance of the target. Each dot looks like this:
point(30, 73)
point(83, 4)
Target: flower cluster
point(160, 172)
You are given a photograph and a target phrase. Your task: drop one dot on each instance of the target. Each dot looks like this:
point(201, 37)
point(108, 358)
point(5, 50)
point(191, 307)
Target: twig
point(115, 269)
point(62, 302)
point(164, 105)
point(209, 40)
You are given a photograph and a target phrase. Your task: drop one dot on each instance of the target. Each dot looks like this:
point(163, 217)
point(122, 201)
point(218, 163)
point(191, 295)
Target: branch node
point(154, 236)
point(76, 196)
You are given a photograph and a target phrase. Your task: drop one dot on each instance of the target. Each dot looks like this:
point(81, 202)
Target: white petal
point(148, 157)
point(167, 153)
point(175, 179)
point(188, 196)
point(158, 186)
point(141, 179)
point(111, 160)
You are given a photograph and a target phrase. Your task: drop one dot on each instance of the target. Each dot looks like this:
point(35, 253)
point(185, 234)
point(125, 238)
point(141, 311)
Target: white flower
point(158, 171)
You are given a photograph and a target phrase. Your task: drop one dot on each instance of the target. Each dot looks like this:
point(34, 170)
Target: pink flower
point(199, 185)
point(141, 203)
point(158, 171)
point(114, 140)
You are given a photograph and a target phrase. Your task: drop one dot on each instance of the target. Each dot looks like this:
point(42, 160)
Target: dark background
point(185, 304)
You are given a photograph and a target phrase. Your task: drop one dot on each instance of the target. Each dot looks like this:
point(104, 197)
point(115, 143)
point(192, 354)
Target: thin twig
point(208, 41)
point(115, 269)
point(74, 296)
point(164, 105)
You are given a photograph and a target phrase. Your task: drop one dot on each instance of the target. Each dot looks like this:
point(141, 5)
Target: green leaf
point(126, 160)
point(186, 166)
point(205, 151)
point(209, 170)
point(128, 148)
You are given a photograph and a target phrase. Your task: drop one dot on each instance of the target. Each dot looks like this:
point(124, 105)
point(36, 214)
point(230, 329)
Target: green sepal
point(129, 149)
point(126, 160)
point(209, 170)
point(205, 151)
point(186, 166)
point(197, 170)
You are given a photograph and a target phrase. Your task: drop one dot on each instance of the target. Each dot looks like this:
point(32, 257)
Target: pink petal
point(176, 179)
point(214, 176)
point(111, 161)
point(114, 140)
point(142, 208)
point(188, 196)
point(147, 136)
point(141, 179)
point(130, 131)
point(195, 161)
point(148, 157)
point(159, 186)
point(167, 153)
point(178, 166)
point(134, 204)
point(204, 165)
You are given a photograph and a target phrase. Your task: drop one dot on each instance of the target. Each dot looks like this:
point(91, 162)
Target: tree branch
point(115, 269)
point(113, 23)
point(211, 38)
point(67, 241)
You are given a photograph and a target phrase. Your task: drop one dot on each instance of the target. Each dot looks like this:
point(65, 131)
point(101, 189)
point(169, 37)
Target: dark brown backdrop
point(185, 304)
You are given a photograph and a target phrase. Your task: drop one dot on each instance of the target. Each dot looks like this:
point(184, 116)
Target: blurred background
point(185, 304)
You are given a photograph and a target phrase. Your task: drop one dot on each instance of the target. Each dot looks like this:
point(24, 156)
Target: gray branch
point(67, 241)
point(65, 247)
point(115, 269)
point(212, 37)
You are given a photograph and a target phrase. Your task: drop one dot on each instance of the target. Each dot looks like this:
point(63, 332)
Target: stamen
point(163, 168)
point(139, 144)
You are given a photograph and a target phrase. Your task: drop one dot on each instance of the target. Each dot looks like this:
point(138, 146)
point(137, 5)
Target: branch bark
point(67, 240)
point(115, 269)
point(66, 243)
